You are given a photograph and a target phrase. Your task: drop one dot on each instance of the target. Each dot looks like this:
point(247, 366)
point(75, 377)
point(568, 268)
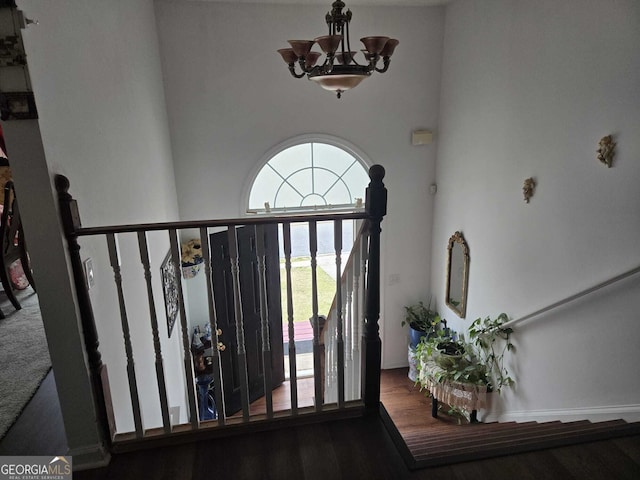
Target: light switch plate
point(88, 272)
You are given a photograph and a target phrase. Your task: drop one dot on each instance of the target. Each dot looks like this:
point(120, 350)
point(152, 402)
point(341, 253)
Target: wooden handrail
point(578, 295)
point(254, 220)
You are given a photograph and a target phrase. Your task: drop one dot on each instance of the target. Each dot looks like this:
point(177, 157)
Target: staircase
point(425, 442)
point(449, 444)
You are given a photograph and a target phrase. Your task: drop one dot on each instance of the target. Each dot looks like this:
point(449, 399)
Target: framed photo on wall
point(170, 290)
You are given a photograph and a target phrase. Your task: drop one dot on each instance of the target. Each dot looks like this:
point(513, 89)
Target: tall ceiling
point(401, 3)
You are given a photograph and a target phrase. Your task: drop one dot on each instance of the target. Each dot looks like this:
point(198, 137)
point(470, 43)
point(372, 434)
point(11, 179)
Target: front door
point(250, 297)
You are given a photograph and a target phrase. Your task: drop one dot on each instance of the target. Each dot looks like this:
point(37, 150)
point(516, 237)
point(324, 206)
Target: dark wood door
point(250, 297)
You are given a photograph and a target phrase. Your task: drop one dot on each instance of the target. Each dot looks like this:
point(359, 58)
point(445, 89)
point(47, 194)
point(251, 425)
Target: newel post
point(376, 207)
point(71, 222)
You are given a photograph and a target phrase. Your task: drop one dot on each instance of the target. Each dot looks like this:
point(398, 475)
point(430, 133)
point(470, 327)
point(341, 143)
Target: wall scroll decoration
point(170, 289)
point(528, 188)
point(606, 150)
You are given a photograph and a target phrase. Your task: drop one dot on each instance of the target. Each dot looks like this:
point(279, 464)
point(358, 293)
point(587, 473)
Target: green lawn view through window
point(301, 291)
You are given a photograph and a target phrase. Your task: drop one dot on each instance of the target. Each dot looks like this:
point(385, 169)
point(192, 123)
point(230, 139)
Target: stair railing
point(342, 380)
point(375, 209)
point(572, 298)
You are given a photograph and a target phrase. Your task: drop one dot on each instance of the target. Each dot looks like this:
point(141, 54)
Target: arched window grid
point(339, 179)
point(335, 175)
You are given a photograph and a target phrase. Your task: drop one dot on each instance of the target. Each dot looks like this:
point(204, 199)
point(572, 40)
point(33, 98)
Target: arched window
point(309, 173)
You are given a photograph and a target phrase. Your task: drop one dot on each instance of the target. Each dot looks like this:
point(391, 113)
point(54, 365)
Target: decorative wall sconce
point(528, 188)
point(606, 150)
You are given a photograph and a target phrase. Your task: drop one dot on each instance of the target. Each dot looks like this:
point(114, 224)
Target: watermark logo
point(36, 468)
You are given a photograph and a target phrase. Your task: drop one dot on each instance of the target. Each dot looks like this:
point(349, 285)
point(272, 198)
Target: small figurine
point(528, 187)
point(606, 150)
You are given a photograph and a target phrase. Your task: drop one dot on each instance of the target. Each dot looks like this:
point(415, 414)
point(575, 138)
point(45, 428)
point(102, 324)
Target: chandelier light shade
point(340, 70)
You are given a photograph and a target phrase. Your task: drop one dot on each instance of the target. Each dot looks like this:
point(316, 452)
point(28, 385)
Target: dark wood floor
point(350, 449)
point(358, 449)
point(39, 429)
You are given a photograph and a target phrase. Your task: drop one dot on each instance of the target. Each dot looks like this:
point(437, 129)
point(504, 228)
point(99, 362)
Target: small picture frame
point(170, 291)
point(18, 106)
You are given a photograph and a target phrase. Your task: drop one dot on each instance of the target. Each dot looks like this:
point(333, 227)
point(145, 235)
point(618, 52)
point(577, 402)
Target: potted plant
point(479, 362)
point(449, 353)
point(422, 321)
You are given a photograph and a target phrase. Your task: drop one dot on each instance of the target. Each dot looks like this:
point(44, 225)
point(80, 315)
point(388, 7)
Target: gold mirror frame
point(460, 278)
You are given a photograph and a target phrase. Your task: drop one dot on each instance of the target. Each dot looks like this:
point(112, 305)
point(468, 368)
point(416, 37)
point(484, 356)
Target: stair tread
point(454, 429)
point(541, 442)
point(542, 429)
point(484, 432)
point(499, 445)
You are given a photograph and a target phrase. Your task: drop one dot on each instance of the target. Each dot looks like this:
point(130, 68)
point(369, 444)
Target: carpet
point(24, 356)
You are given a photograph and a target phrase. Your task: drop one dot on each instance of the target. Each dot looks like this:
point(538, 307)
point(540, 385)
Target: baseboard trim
point(89, 456)
point(629, 413)
point(393, 366)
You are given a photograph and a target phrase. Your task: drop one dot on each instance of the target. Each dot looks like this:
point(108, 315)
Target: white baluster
point(348, 343)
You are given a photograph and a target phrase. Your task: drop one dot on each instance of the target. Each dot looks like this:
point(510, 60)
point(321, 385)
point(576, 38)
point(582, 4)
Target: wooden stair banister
point(349, 264)
point(347, 281)
point(370, 363)
point(372, 214)
point(376, 207)
point(70, 217)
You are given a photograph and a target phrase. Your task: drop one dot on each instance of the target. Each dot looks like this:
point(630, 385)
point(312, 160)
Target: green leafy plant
point(480, 361)
point(422, 318)
point(458, 361)
point(492, 341)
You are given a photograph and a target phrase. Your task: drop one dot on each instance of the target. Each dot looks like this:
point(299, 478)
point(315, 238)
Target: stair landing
point(427, 442)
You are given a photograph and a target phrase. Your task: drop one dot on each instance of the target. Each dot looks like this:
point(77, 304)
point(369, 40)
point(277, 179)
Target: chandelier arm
point(373, 62)
point(303, 67)
point(387, 61)
point(327, 67)
point(292, 69)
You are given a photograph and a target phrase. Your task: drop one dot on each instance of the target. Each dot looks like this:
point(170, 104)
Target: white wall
point(96, 75)
point(528, 89)
point(230, 99)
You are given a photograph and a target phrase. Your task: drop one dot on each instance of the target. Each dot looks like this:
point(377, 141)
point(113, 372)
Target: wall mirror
point(457, 274)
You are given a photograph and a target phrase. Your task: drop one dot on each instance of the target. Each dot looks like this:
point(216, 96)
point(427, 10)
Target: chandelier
point(340, 71)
